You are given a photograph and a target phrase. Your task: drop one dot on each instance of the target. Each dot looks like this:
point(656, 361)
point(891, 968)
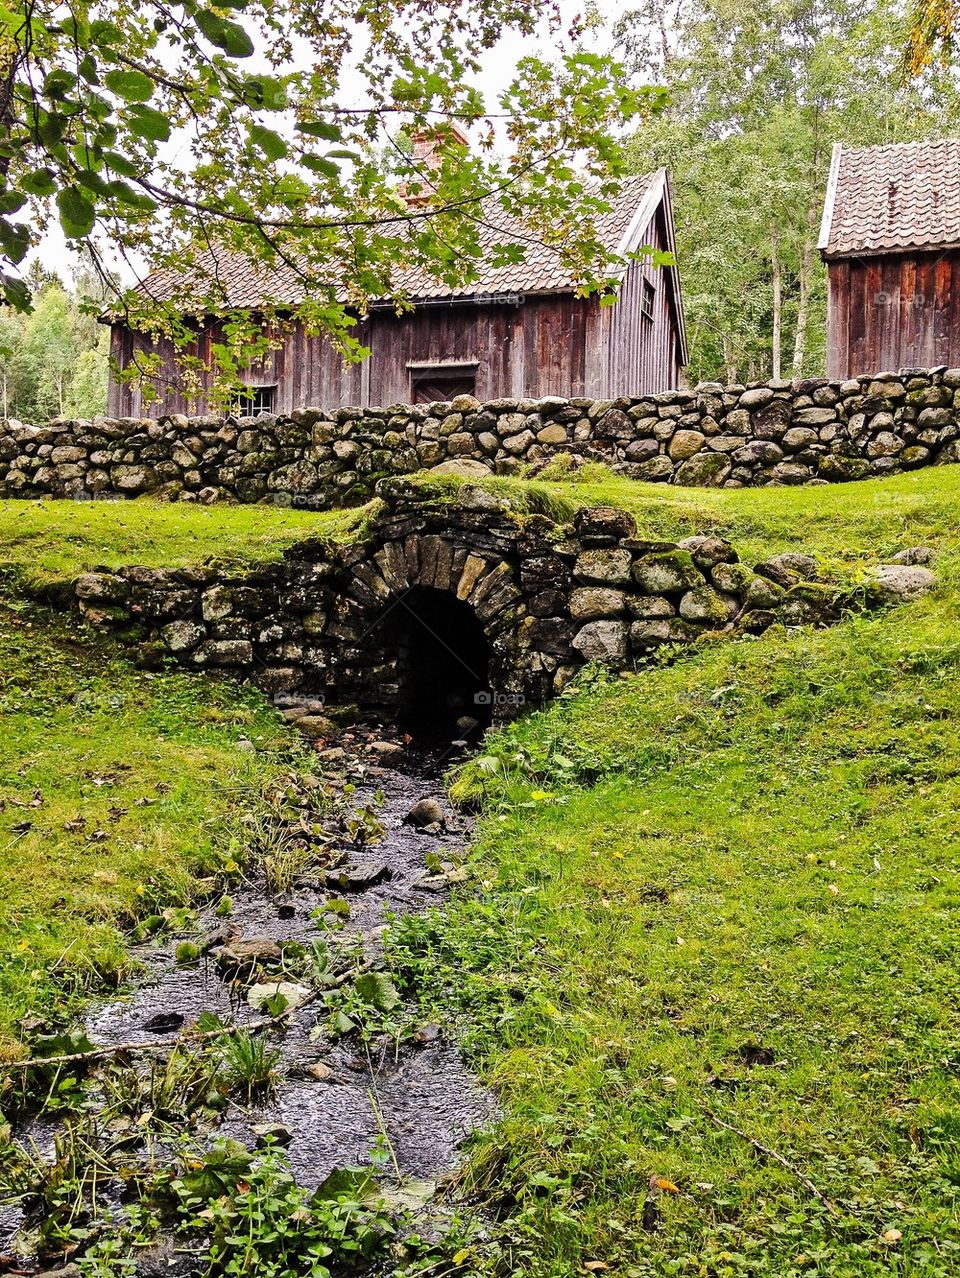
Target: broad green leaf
point(377, 990)
point(320, 129)
point(98, 105)
point(120, 164)
point(103, 34)
point(132, 86)
point(146, 122)
point(106, 135)
point(265, 91)
point(77, 213)
point(11, 201)
point(14, 240)
point(220, 1171)
point(226, 35)
point(130, 195)
point(271, 144)
point(318, 164)
point(343, 1182)
point(51, 126)
point(59, 83)
point(88, 68)
point(15, 292)
point(91, 182)
point(39, 182)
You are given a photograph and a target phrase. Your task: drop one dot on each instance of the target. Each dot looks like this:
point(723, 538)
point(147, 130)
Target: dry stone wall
point(549, 598)
point(780, 432)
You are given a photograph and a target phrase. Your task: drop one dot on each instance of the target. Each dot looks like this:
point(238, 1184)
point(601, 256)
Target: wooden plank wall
point(530, 346)
point(893, 311)
point(628, 354)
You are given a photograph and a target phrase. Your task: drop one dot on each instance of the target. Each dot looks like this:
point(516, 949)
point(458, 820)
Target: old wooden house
point(519, 331)
point(890, 237)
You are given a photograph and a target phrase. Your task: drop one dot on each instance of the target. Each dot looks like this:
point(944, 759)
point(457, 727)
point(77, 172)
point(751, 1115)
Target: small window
point(255, 399)
point(429, 383)
point(648, 293)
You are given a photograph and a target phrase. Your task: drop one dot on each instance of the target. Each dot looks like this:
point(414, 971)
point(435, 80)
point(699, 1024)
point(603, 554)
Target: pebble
point(424, 813)
point(295, 995)
point(389, 753)
point(164, 1022)
point(320, 1071)
point(271, 1133)
point(357, 876)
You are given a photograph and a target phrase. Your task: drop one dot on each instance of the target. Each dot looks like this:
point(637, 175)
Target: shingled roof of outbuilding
point(246, 284)
point(891, 199)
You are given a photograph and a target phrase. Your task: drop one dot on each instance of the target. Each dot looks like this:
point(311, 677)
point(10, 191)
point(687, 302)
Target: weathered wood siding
point(523, 346)
point(305, 370)
point(893, 311)
point(628, 354)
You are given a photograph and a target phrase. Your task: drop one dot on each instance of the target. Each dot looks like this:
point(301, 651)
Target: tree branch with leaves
point(169, 135)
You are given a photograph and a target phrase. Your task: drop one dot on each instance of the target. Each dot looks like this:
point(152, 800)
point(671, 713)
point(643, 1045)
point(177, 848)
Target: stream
point(335, 1098)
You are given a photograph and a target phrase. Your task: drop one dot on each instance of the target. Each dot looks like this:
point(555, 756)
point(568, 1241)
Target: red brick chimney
point(428, 145)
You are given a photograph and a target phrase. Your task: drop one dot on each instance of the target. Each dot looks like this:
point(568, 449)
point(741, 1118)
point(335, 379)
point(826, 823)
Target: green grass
point(116, 786)
point(56, 540)
point(756, 847)
point(118, 793)
point(846, 522)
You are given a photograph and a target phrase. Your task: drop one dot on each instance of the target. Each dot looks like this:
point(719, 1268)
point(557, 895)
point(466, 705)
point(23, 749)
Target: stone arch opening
point(442, 663)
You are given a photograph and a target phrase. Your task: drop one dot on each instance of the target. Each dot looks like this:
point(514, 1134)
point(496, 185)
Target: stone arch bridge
point(452, 602)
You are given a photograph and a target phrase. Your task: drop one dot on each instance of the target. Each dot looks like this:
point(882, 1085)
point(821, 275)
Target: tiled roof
point(247, 284)
point(885, 199)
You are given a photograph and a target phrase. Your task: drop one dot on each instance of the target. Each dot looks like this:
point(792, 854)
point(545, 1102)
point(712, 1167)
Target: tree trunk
point(775, 342)
point(803, 306)
point(728, 360)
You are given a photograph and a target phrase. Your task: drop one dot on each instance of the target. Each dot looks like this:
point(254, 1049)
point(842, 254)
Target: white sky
point(498, 69)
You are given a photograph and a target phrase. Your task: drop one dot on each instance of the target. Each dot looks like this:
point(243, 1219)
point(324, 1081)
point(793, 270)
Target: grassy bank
point(117, 787)
point(847, 522)
point(725, 892)
point(118, 791)
point(57, 540)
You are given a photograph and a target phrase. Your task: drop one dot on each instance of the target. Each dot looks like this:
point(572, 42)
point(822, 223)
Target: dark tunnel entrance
point(443, 665)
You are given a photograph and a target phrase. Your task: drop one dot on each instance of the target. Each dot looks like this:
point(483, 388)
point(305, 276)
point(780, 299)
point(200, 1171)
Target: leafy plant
point(368, 1006)
point(187, 954)
point(255, 1219)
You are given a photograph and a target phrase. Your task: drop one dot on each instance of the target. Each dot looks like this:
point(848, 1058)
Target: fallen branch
point(772, 1154)
point(184, 1040)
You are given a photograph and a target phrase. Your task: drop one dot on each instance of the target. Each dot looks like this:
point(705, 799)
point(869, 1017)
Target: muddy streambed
point(336, 1097)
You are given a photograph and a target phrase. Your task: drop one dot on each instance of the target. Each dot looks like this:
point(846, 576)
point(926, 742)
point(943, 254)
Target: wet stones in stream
point(336, 1097)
